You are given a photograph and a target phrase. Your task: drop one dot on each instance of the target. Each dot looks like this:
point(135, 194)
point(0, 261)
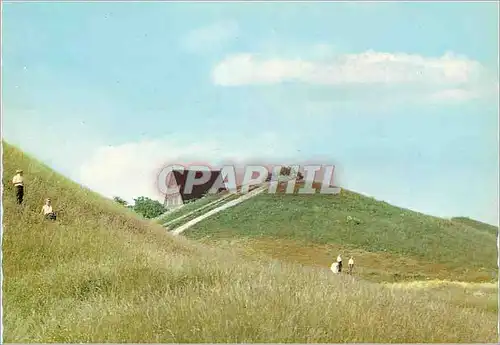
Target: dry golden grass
point(373, 266)
point(101, 274)
point(464, 294)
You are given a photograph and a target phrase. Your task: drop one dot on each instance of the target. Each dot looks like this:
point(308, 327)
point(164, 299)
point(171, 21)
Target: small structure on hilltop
point(177, 181)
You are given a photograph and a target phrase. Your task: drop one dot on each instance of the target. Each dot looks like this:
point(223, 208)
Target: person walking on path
point(47, 210)
point(350, 264)
point(18, 182)
point(339, 260)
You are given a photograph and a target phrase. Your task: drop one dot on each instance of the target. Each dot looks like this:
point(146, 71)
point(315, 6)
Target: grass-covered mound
point(385, 239)
point(101, 274)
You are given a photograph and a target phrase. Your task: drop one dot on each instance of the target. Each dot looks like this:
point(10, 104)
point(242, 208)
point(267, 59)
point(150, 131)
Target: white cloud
point(131, 170)
point(464, 94)
point(449, 77)
point(61, 144)
point(210, 36)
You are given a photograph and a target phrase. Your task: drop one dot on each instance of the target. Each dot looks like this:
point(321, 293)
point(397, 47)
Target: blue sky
point(402, 97)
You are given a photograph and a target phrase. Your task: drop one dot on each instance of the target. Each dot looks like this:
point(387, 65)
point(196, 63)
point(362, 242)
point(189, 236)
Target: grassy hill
point(101, 274)
point(476, 224)
point(388, 242)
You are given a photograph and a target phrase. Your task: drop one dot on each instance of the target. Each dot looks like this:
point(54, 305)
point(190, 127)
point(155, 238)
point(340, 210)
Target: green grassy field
point(396, 242)
point(476, 224)
point(102, 274)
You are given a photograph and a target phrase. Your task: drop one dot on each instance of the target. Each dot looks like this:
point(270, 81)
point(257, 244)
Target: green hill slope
point(402, 242)
point(476, 224)
point(101, 274)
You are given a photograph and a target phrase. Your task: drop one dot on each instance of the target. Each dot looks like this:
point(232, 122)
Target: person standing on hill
point(339, 260)
point(350, 264)
point(18, 182)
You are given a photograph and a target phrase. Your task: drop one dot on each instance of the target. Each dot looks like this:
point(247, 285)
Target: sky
point(401, 97)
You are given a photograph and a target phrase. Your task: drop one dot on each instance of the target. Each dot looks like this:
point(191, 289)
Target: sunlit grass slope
point(404, 243)
point(479, 295)
point(476, 224)
point(101, 274)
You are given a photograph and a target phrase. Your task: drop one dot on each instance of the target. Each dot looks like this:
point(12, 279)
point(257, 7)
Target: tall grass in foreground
point(100, 274)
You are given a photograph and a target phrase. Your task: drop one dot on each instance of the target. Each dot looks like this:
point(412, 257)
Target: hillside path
point(218, 201)
point(216, 210)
